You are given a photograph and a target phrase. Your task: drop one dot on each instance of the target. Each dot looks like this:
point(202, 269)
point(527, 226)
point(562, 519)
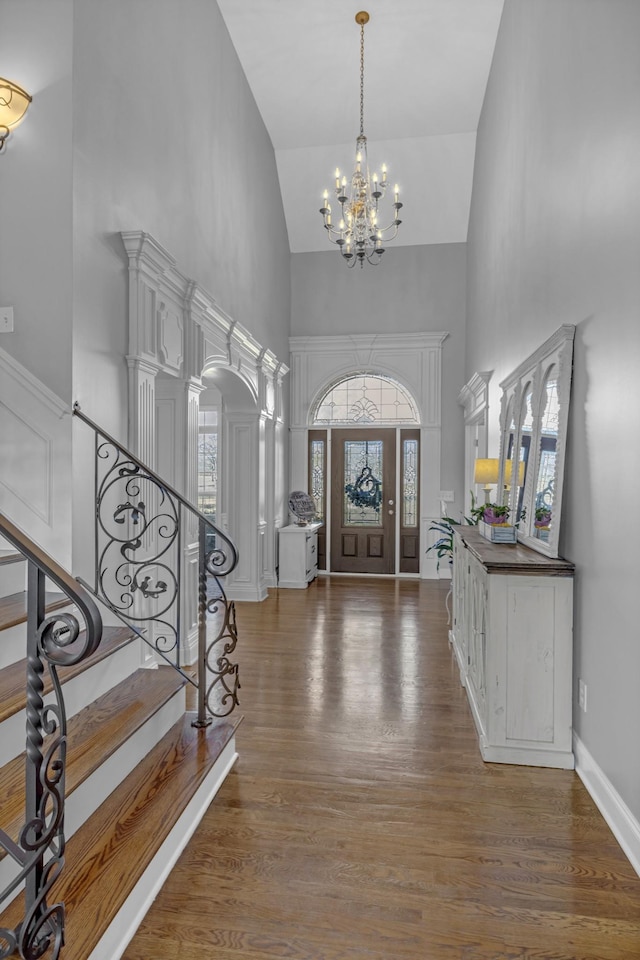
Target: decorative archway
point(179, 340)
point(411, 361)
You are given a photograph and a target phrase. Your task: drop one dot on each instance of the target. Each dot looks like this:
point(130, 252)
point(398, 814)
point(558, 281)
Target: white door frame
point(414, 360)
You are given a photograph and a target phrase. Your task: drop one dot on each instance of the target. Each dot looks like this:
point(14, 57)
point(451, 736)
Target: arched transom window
point(366, 398)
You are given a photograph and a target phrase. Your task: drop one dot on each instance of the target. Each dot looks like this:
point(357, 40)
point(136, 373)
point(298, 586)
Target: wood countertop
point(512, 558)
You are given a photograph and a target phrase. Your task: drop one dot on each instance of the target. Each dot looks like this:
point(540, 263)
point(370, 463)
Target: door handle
point(390, 513)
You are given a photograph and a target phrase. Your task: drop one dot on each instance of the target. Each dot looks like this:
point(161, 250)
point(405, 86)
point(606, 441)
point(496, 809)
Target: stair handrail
point(52, 641)
point(213, 657)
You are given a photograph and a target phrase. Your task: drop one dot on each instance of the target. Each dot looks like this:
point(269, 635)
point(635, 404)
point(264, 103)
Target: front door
point(363, 500)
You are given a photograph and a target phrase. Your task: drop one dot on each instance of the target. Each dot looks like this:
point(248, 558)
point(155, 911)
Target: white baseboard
point(624, 826)
point(246, 591)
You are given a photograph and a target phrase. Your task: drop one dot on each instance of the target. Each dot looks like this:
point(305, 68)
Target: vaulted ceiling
point(426, 69)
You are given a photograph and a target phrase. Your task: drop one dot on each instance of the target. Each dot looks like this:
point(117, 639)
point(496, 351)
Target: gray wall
point(141, 119)
point(555, 238)
point(168, 139)
point(415, 289)
point(36, 190)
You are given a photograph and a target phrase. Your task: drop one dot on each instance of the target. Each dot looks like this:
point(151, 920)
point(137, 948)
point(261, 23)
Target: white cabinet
point(298, 555)
point(512, 634)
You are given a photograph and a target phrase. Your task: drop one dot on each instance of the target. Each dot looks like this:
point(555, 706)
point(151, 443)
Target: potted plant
point(443, 546)
point(494, 514)
point(543, 517)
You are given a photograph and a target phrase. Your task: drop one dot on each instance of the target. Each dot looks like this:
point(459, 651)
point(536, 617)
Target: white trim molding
point(624, 826)
point(474, 399)
point(178, 334)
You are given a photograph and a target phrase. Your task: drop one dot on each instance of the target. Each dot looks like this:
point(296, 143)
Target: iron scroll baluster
point(52, 642)
point(141, 525)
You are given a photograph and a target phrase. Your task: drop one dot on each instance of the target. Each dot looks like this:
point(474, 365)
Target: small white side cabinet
point(512, 634)
point(298, 555)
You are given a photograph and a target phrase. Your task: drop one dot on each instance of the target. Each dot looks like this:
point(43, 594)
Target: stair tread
point(110, 852)
point(6, 557)
point(93, 734)
point(12, 677)
point(13, 608)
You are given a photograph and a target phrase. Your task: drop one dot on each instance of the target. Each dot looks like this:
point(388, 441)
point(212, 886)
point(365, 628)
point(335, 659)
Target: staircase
point(141, 766)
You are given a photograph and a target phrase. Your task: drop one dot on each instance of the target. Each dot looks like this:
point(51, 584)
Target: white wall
point(414, 290)
point(555, 238)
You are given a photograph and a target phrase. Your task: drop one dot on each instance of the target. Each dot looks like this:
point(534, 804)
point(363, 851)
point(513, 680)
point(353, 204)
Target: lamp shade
point(486, 471)
point(13, 103)
point(508, 472)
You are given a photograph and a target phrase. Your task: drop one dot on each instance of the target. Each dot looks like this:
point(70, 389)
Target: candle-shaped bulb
point(325, 195)
point(375, 179)
point(337, 179)
point(344, 182)
point(384, 171)
point(341, 225)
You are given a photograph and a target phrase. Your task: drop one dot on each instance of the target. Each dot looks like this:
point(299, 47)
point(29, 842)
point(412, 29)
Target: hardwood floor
point(360, 821)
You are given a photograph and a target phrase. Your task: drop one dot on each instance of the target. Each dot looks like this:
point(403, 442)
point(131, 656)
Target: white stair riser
point(96, 788)
point(13, 640)
point(78, 693)
point(13, 578)
point(84, 801)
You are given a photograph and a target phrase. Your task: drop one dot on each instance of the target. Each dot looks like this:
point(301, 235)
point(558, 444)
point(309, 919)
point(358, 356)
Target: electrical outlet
point(582, 695)
point(447, 496)
point(6, 319)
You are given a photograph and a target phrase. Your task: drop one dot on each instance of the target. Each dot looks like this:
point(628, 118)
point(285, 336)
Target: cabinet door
point(459, 624)
point(311, 559)
point(477, 633)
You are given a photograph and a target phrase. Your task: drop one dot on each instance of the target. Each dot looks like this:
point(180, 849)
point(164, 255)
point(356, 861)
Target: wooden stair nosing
point(12, 677)
point(93, 735)
point(13, 609)
point(109, 854)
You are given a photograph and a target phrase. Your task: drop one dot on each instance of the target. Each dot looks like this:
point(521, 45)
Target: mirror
point(534, 417)
point(543, 519)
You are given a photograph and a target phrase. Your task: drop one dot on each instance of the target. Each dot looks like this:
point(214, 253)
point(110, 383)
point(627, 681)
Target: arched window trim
point(367, 410)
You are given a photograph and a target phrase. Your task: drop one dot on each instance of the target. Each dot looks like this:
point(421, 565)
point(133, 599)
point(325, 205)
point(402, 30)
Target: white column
point(242, 479)
point(142, 409)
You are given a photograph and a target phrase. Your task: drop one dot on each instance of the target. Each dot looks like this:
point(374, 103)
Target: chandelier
point(359, 234)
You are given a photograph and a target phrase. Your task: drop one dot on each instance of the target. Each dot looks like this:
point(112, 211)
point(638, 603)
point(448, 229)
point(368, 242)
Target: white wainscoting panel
point(35, 459)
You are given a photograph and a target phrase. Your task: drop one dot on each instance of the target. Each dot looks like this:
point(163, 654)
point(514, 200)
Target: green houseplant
point(443, 546)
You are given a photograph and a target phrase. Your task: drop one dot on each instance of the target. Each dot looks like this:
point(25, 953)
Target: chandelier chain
point(362, 79)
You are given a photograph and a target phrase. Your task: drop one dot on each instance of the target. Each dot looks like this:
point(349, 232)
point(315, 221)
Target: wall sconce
point(486, 472)
point(13, 106)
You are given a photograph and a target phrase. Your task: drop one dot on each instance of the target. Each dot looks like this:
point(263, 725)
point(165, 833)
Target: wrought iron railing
point(148, 540)
point(52, 641)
